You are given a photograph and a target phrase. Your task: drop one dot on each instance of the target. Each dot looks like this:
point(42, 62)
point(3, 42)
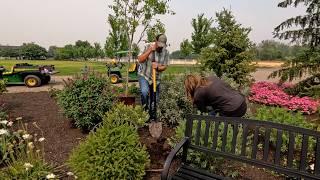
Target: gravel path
point(57, 81)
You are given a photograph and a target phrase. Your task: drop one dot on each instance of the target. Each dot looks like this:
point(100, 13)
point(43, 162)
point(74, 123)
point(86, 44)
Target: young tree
point(155, 30)
point(201, 37)
point(135, 14)
point(117, 39)
point(230, 51)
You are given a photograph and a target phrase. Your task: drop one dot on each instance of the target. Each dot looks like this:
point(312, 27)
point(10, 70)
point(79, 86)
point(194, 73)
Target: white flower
point(19, 118)
point(4, 122)
point(312, 167)
point(51, 176)
point(30, 145)
point(4, 131)
point(75, 177)
point(70, 174)
point(37, 151)
point(28, 166)
point(26, 136)
point(41, 139)
point(10, 123)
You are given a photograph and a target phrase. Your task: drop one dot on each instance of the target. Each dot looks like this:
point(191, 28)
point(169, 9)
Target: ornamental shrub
point(114, 150)
point(86, 98)
point(173, 105)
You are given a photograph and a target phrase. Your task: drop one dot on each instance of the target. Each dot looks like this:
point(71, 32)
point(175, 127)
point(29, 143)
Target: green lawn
point(67, 68)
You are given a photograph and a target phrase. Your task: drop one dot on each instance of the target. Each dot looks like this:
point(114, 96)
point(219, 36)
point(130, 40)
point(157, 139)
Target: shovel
point(155, 127)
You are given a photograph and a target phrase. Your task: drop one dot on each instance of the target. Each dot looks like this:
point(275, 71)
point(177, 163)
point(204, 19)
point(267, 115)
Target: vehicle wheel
point(114, 78)
point(32, 81)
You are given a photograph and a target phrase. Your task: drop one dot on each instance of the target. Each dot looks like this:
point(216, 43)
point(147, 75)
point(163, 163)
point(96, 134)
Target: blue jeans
point(145, 88)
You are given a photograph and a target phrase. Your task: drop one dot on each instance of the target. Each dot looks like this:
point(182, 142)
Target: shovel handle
point(154, 80)
point(154, 73)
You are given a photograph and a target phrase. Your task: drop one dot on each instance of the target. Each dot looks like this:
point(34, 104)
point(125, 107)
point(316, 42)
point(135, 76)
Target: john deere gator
point(27, 74)
point(114, 69)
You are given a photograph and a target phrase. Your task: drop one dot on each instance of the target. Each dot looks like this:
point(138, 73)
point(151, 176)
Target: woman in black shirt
point(214, 92)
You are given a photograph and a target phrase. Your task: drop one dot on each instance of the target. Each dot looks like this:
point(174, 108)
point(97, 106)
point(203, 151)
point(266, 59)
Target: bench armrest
point(173, 153)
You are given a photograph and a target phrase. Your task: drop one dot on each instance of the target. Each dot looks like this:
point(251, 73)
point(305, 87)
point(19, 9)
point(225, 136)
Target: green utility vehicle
point(27, 74)
point(114, 69)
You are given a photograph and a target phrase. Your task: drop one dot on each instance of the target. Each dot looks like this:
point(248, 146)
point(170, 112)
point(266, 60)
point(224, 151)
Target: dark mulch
point(39, 107)
point(62, 137)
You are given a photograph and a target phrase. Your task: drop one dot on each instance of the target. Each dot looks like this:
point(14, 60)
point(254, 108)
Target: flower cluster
point(273, 94)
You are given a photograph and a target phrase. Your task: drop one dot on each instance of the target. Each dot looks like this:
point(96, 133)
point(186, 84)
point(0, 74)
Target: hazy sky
point(59, 22)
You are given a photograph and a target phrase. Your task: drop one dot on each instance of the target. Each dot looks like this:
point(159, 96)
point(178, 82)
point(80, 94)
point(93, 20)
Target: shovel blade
point(155, 129)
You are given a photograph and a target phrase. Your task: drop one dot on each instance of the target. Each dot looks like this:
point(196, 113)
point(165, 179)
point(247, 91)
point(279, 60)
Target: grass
point(68, 68)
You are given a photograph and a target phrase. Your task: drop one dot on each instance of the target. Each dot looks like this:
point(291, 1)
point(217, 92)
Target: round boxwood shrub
point(86, 99)
point(113, 151)
point(110, 153)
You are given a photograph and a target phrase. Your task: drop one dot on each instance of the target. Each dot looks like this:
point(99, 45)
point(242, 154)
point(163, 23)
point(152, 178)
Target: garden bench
point(211, 136)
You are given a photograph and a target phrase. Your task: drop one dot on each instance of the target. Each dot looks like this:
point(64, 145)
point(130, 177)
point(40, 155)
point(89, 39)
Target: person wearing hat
point(154, 56)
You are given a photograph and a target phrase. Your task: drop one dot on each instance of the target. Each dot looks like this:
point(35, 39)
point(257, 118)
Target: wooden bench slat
point(195, 175)
point(206, 134)
point(278, 147)
point(234, 138)
point(304, 150)
point(291, 149)
point(224, 136)
point(215, 135)
point(198, 133)
point(201, 172)
point(184, 176)
point(244, 140)
point(266, 144)
point(255, 143)
point(177, 177)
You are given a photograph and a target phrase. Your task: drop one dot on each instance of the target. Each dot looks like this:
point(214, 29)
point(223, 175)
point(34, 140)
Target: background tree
point(10, 51)
point(201, 37)
point(274, 50)
point(176, 55)
point(305, 30)
point(33, 51)
point(185, 48)
point(230, 50)
point(135, 14)
point(98, 52)
point(52, 51)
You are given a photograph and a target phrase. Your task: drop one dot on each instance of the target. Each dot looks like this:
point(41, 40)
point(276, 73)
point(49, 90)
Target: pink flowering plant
point(273, 94)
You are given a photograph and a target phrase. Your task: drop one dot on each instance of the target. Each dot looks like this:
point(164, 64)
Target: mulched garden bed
point(62, 137)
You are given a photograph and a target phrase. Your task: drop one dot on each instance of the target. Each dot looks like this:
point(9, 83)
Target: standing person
point(158, 53)
point(214, 92)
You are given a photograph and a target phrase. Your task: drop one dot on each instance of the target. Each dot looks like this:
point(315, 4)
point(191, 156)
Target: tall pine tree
point(305, 30)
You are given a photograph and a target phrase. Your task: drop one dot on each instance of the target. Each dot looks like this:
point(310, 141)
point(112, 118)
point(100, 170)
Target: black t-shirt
point(219, 95)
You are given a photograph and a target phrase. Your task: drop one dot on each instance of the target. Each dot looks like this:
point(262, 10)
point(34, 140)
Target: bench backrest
point(285, 149)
